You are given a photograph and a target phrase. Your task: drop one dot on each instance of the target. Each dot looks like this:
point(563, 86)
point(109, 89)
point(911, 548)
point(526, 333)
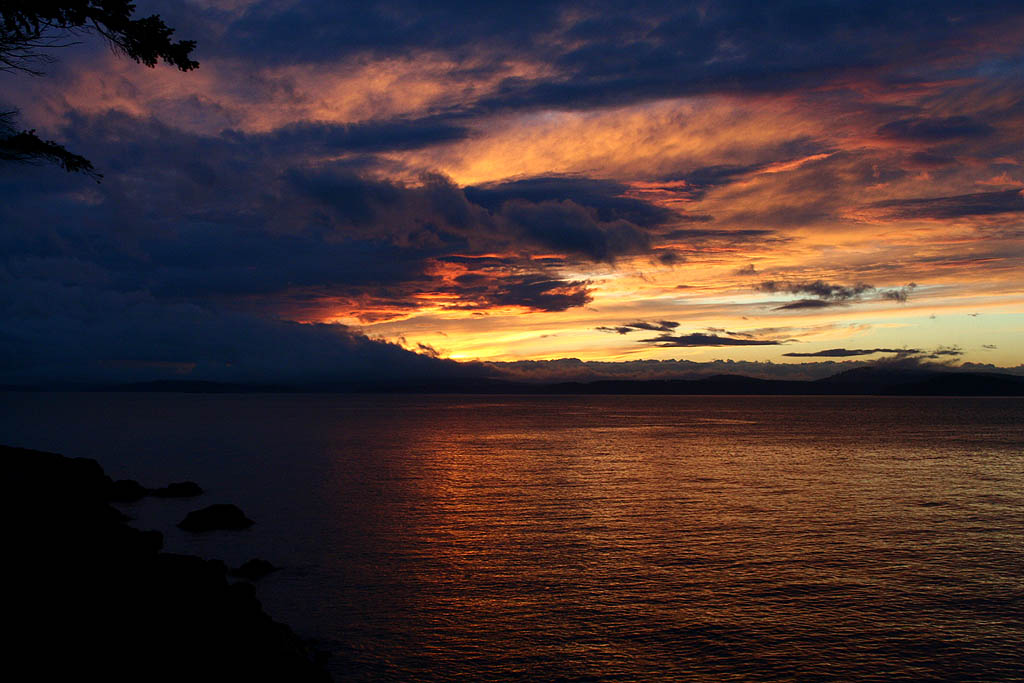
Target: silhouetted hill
point(918, 381)
point(860, 381)
point(715, 384)
point(874, 379)
point(960, 384)
point(881, 380)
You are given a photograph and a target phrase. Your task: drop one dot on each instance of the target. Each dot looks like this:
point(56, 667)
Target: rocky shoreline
point(92, 595)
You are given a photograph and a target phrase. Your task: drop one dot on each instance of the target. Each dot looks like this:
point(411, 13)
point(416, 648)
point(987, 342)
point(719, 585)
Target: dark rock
point(126, 491)
point(254, 570)
point(94, 598)
point(112, 514)
point(219, 516)
point(179, 489)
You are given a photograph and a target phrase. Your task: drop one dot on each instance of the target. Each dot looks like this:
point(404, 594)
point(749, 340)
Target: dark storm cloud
point(604, 197)
point(227, 232)
point(930, 130)
point(566, 226)
point(540, 294)
point(330, 30)
point(956, 206)
point(372, 136)
point(536, 291)
point(606, 53)
point(434, 210)
point(194, 264)
point(696, 339)
point(586, 224)
point(583, 216)
point(845, 353)
point(134, 337)
point(213, 220)
point(620, 54)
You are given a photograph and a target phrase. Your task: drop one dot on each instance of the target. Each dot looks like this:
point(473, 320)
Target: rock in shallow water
point(219, 516)
point(254, 569)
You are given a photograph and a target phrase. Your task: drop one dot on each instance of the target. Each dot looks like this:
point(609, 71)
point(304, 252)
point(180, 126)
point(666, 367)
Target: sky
point(383, 188)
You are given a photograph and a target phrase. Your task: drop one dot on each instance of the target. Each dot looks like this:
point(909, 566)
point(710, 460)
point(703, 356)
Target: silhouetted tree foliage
point(27, 146)
point(30, 29)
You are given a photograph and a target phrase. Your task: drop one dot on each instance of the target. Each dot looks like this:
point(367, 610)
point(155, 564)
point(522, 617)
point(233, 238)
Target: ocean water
point(613, 538)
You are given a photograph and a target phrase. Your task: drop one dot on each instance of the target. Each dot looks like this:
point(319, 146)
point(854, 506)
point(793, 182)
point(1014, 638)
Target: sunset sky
point(794, 182)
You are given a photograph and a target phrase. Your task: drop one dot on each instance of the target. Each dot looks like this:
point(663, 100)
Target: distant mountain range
point(881, 380)
point(871, 381)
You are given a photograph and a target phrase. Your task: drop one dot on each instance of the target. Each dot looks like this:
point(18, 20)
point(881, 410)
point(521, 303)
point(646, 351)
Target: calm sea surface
point(597, 538)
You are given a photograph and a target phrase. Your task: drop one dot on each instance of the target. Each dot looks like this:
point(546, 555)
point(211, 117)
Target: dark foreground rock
point(254, 570)
point(90, 597)
point(214, 517)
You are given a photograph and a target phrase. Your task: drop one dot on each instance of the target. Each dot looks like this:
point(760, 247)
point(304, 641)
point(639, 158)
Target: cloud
point(133, 336)
point(899, 295)
point(592, 231)
point(827, 294)
point(845, 353)
point(614, 56)
point(945, 352)
point(920, 129)
point(320, 179)
point(955, 206)
point(606, 53)
point(818, 288)
point(696, 339)
point(537, 292)
point(801, 304)
point(657, 326)
point(369, 136)
point(699, 181)
point(567, 227)
point(232, 224)
point(604, 197)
